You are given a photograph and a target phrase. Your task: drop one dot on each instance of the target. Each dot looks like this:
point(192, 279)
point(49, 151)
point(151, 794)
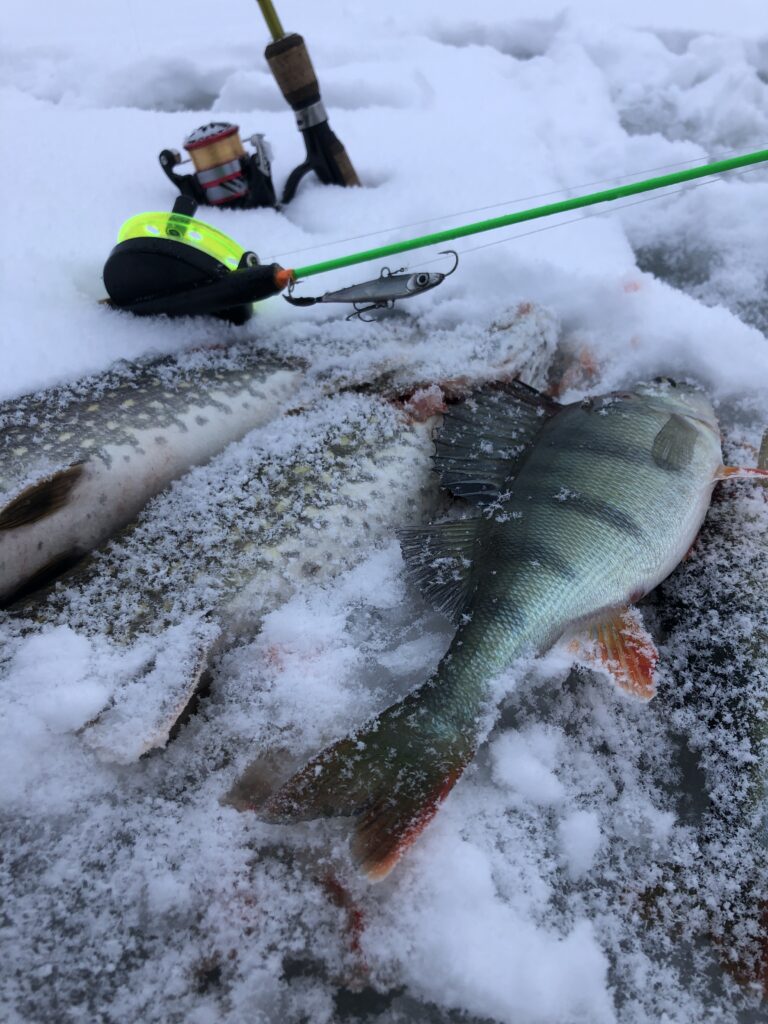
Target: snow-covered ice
point(601, 860)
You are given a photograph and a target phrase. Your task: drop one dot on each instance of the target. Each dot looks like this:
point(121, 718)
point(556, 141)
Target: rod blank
point(549, 210)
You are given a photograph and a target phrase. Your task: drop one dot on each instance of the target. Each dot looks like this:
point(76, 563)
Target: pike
point(295, 502)
point(582, 509)
point(77, 462)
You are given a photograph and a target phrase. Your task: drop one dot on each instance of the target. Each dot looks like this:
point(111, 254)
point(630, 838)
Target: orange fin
point(391, 775)
point(391, 825)
point(623, 647)
point(734, 472)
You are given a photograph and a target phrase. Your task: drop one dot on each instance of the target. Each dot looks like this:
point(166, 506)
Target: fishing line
point(147, 239)
point(574, 220)
point(494, 206)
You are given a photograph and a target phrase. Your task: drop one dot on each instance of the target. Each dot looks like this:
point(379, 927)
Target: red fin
point(623, 647)
point(734, 472)
point(392, 776)
point(385, 832)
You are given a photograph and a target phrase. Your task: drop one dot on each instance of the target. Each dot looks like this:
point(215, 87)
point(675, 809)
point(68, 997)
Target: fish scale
point(598, 505)
point(224, 545)
point(78, 462)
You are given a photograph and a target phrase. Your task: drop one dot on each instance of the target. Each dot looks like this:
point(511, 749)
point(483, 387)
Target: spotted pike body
point(78, 462)
point(582, 509)
point(292, 503)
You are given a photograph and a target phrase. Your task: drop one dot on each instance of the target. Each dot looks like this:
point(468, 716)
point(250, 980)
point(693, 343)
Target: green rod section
point(271, 18)
point(605, 196)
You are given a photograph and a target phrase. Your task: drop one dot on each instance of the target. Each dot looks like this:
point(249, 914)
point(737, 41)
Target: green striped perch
point(581, 510)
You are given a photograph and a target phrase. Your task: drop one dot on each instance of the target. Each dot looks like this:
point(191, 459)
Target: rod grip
point(290, 63)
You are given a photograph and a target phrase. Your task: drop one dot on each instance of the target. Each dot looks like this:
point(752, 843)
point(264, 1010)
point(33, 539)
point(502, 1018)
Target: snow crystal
point(580, 838)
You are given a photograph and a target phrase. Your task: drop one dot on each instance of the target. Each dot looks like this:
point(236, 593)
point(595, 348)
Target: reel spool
point(171, 263)
point(225, 174)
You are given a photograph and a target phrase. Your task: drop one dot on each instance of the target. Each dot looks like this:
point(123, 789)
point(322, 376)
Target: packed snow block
point(143, 711)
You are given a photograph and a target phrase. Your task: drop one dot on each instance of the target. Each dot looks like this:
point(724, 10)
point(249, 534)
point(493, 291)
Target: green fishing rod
point(174, 264)
point(521, 216)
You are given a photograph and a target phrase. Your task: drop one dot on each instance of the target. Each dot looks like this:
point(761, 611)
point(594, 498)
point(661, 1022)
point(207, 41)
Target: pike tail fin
point(392, 776)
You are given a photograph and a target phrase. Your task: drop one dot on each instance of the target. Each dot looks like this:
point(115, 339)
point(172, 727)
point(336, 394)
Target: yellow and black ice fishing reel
point(225, 173)
point(172, 263)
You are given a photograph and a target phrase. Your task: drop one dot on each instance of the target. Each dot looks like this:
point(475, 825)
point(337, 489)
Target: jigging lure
point(380, 293)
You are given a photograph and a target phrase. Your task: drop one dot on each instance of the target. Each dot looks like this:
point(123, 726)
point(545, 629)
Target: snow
point(601, 860)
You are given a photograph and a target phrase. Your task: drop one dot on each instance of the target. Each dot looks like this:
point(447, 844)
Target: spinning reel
point(225, 173)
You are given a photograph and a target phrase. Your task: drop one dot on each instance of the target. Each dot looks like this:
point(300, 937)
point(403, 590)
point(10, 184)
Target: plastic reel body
point(173, 264)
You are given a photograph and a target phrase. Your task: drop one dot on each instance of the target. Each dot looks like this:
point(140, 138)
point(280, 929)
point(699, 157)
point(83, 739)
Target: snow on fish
point(226, 543)
point(77, 462)
point(297, 501)
point(583, 509)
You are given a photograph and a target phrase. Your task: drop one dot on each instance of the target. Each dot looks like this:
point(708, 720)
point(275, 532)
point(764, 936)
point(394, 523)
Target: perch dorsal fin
point(484, 438)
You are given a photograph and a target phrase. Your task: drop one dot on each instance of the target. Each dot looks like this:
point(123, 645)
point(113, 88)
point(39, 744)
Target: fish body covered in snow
point(77, 462)
point(294, 502)
point(581, 510)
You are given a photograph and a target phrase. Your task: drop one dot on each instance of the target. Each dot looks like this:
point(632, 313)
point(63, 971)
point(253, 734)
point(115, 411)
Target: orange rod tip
point(284, 277)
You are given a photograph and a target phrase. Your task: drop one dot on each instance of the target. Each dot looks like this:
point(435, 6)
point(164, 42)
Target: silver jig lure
point(380, 293)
